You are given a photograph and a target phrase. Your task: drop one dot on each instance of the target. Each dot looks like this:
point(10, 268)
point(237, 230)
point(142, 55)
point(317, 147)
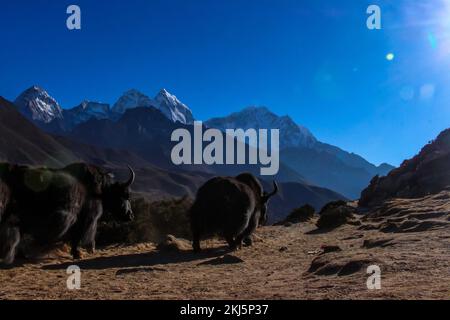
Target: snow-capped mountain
point(167, 103)
point(291, 134)
point(173, 108)
point(130, 100)
point(36, 104)
point(86, 111)
point(318, 162)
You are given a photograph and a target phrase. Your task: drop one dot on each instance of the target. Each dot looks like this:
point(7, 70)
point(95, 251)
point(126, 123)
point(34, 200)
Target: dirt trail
point(284, 263)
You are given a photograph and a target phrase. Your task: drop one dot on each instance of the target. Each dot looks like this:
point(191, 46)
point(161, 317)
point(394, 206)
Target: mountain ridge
point(320, 163)
point(326, 165)
point(23, 142)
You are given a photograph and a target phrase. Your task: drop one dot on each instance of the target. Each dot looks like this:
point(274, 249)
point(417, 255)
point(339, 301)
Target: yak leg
point(9, 241)
point(248, 241)
point(196, 231)
point(89, 235)
point(196, 241)
point(76, 239)
point(83, 232)
point(230, 241)
point(246, 234)
point(75, 242)
point(85, 229)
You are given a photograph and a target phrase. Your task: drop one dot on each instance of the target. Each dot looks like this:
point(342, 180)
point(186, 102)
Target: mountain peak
point(132, 99)
point(261, 117)
point(173, 108)
point(36, 104)
point(164, 92)
point(164, 101)
point(133, 92)
point(92, 106)
point(256, 108)
point(35, 88)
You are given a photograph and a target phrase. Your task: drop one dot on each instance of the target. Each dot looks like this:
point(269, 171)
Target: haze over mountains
point(134, 123)
point(139, 138)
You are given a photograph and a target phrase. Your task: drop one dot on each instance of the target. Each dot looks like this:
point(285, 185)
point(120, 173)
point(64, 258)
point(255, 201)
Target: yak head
point(262, 196)
point(264, 201)
point(116, 198)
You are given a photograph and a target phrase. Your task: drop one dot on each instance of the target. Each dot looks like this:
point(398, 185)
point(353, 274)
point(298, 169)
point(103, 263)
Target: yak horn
point(267, 196)
point(132, 177)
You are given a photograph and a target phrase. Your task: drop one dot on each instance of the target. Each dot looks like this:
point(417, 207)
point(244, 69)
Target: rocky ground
point(408, 239)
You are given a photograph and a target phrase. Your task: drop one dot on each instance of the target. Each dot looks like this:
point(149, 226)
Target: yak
point(5, 191)
point(9, 231)
point(61, 204)
point(231, 207)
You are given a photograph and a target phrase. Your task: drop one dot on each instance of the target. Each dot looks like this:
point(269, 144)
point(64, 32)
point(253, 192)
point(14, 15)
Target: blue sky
point(312, 59)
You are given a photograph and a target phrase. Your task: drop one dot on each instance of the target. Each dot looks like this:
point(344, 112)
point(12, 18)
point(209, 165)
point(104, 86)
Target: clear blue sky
point(314, 60)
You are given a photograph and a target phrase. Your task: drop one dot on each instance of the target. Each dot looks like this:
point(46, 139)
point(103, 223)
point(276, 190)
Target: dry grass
point(284, 263)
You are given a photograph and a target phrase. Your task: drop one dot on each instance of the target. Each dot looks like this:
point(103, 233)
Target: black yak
point(9, 230)
point(5, 191)
point(231, 207)
point(61, 204)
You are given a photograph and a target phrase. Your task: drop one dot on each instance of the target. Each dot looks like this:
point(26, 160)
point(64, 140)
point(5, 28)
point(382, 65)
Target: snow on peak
point(94, 107)
point(130, 100)
point(167, 103)
point(173, 108)
point(85, 111)
point(36, 104)
point(291, 134)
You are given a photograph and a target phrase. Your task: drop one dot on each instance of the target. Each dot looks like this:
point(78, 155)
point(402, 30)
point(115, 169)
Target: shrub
point(302, 214)
point(335, 214)
point(153, 221)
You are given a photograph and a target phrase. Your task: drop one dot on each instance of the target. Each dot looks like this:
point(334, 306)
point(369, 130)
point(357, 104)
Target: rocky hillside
point(22, 142)
point(426, 173)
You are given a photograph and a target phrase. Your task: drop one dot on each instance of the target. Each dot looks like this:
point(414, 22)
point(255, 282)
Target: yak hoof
point(76, 254)
point(196, 249)
point(248, 241)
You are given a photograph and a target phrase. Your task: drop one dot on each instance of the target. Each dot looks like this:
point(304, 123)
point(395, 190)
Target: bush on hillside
point(153, 221)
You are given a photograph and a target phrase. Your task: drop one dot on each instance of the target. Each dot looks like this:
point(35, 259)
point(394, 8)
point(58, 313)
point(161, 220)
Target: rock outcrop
point(425, 174)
